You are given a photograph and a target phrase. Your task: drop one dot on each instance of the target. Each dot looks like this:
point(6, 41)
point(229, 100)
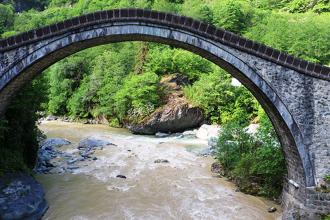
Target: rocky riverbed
point(95, 172)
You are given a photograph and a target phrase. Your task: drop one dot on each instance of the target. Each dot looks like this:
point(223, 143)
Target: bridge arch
point(25, 56)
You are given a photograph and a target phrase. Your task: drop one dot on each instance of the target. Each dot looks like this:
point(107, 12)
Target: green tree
point(197, 9)
point(64, 79)
point(165, 60)
point(138, 97)
point(222, 102)
point(165, 5)
point(230, 16)
point(6, 17)
point(305, 36)
point(300, 6)
point(18, 130)
point(59, 3)
point(253, 159)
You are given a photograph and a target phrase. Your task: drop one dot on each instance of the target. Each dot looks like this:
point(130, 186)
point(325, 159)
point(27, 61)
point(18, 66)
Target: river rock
point(206, 132)
point(190, 133)
point(48, 151)
point(271, 209)
point(22, 198)
point(54, 142)
point(206, 151)
point(73, 160)
point(93, 143)
point(162, 135)
point(161, 161)
point(87, 146)
point(176, 116)
point(216, 167)
point(121, 176)
point(51, 118)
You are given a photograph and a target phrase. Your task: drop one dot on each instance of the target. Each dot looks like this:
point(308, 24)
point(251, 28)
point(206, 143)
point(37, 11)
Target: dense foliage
point(18, 130)
point(120, 82)
point(221, 101)
point(254, 161)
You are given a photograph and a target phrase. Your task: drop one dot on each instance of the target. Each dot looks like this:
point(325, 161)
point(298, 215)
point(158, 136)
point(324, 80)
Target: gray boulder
point(54, 142)
point(22, 198)
point(176, 116)
point(87, 146)
point(93, 143)
point(48, 151)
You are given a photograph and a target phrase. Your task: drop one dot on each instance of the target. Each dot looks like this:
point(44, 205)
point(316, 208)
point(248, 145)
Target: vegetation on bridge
point(121, 81)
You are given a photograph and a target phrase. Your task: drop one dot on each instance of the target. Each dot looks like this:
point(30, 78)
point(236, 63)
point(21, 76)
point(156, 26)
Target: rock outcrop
point(21, 197)
point(176, 115)
point(51, 159)
point(48, 150)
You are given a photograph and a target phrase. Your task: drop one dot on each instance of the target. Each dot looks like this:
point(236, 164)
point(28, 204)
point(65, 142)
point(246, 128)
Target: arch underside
point(48, 51)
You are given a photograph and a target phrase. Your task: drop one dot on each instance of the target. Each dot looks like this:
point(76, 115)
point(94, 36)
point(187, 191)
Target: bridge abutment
point(310, 206)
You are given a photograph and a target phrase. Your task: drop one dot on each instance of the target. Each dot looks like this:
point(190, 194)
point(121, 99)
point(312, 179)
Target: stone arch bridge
point(295, 93)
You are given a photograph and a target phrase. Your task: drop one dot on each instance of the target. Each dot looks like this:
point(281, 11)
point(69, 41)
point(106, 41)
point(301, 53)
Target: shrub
point(18, 129)
point(138, 97)
point(6, 17)
point(221, 102)
point(64, 79)
point(253, 159)
point(164, 60)
point(230, 16)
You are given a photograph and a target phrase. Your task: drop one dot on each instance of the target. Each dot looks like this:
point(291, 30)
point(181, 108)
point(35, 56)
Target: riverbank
point(181, 186)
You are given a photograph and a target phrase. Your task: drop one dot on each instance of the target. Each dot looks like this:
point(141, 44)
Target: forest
point(121, 82)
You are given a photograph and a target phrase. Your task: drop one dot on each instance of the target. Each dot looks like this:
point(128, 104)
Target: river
point(183, 188)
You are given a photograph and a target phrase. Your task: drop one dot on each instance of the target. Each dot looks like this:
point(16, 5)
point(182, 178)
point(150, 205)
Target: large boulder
point(48, 150)
point(54, 142)
point(21, 197)
point(89, 145)
point(176, 116)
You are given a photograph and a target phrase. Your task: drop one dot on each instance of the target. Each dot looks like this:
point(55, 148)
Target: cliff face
point(176, 115)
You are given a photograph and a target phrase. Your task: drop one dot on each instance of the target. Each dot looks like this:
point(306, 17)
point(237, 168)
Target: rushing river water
point(184, 188)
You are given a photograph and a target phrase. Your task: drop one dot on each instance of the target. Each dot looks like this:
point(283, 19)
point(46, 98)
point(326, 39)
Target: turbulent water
point(184, 188)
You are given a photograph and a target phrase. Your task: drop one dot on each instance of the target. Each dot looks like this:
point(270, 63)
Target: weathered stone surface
point(22, 198)
point(93, 143)
point(54, 142)
point(295, 93)
point(173, 117)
